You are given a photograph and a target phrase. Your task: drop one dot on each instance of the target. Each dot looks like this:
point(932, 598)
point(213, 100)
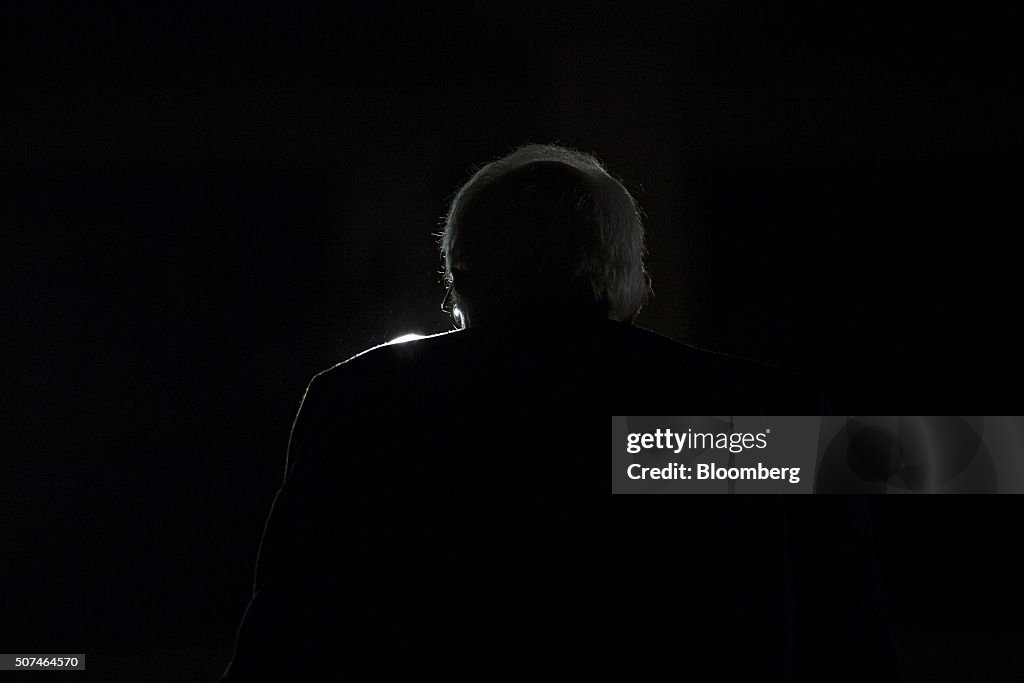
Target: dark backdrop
point(204, 206)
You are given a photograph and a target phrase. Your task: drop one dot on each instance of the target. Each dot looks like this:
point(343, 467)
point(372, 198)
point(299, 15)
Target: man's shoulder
point(726, 382)
point(606, 344)
point(605, 357)
point(391, 359)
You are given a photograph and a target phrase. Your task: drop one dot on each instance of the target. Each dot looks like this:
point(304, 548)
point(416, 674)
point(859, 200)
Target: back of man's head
point(545, 229)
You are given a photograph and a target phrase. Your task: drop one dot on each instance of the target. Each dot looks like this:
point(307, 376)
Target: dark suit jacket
point(446, 511)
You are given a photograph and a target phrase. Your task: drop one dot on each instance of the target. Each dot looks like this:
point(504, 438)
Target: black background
point(204, 206)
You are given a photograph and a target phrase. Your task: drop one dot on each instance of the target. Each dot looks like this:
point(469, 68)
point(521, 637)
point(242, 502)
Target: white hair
point(545, 225)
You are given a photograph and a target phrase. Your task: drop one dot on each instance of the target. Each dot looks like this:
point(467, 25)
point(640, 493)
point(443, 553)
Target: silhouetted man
point(446, 509)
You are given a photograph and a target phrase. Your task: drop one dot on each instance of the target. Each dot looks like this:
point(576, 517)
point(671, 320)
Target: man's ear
point(650, 295)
